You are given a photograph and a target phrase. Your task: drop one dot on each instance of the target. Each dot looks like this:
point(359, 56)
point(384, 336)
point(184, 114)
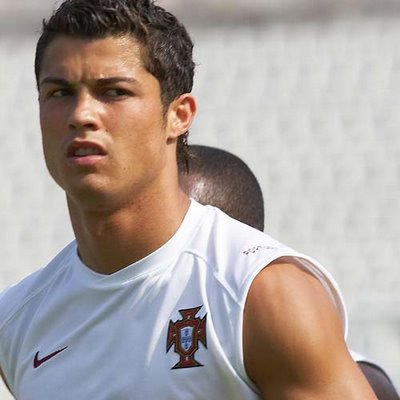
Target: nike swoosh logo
point(38, 362)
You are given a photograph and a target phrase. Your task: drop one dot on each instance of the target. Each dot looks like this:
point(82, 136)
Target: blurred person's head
point(219, 178)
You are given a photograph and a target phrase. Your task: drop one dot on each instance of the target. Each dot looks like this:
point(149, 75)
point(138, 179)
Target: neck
point(111, 240)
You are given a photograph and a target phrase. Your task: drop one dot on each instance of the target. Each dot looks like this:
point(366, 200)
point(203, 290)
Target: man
point(158, 297)
point(221, 179)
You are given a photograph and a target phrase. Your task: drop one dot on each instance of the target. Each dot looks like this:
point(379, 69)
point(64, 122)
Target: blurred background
point(306, 92)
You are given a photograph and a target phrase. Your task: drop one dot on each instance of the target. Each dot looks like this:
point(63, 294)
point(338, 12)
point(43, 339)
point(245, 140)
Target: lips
point(85, 149)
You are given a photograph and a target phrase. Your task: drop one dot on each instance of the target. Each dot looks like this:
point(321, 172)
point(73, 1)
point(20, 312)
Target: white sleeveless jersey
point(166, 327)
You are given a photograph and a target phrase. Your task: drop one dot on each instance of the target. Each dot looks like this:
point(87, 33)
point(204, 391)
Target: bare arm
point(293, 342)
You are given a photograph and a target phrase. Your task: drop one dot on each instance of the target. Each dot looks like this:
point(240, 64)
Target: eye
point(62, 92)
point(116, 92)
point(57, 93)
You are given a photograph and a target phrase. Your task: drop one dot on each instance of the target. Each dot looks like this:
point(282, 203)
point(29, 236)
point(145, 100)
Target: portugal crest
point(186, 334)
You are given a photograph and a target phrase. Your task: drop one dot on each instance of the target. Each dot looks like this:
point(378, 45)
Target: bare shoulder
point(293, 339)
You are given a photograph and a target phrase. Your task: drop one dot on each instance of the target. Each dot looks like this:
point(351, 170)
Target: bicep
point(293, 342)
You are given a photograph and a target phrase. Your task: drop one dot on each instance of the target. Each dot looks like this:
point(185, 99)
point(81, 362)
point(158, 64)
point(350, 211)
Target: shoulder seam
point(219, 279)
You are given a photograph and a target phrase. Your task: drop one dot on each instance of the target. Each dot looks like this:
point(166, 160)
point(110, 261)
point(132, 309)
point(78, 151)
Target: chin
point(88, 193)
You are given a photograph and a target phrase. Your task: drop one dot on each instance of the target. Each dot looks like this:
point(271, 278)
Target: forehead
point(73, 57)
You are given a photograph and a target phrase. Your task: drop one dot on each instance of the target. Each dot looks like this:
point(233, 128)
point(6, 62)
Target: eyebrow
point(55, 81)
point(101, 81)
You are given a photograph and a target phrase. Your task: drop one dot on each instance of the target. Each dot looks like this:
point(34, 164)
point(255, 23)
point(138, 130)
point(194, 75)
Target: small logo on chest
point(186, 334)
point(37, 362)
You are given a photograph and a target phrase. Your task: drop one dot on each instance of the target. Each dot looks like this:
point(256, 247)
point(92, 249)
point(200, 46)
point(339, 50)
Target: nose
point(85, 113)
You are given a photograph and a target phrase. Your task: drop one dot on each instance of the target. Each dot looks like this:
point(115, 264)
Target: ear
point(181, 113)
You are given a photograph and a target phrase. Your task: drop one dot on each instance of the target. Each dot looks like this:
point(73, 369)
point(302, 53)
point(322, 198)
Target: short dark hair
point(221, 179)
point(166, 47)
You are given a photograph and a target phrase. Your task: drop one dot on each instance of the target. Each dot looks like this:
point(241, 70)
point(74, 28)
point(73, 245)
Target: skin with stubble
point(111, 147)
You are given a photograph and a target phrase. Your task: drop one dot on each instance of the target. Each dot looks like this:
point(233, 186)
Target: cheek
point(48, 152)
point(146, 132)
point(47, 137)
point(47, 126)
point(52, 124)
point(50, 141)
